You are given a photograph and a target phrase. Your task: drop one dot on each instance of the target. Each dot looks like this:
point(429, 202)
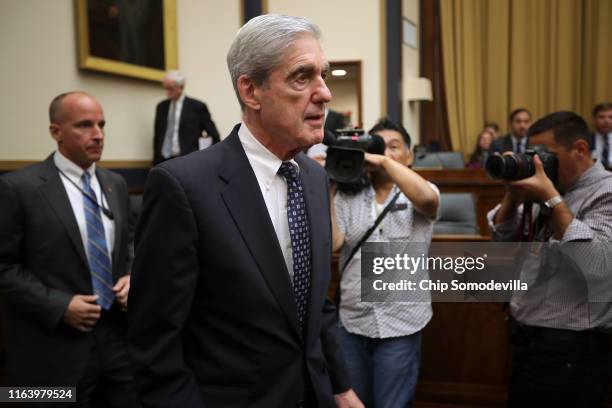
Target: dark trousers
point(108, 380)
point(558, 368)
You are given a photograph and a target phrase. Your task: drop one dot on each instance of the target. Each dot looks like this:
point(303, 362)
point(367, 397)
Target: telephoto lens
point(517, 166)
point(510, 167)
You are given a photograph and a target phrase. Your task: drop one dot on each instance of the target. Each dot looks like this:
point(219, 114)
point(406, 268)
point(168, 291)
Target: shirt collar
point(265, 163)
point(179, 101)
point(592, 175)
point(70, 169)
point(516, 140)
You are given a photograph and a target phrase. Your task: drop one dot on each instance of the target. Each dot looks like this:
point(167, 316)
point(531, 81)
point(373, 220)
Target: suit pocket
point(224, 397)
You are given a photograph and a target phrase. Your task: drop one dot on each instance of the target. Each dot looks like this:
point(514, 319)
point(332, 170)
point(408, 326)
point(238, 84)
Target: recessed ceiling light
point(339, 72)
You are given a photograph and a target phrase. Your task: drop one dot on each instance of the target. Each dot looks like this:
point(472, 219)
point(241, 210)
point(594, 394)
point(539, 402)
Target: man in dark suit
point(228, 305)
point(516, 141)
point(64, 263)
point(181, 123)
point(600, 140)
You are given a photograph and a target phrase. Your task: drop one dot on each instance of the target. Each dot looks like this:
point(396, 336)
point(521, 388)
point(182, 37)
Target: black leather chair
point(457, 215)
point(437, 160)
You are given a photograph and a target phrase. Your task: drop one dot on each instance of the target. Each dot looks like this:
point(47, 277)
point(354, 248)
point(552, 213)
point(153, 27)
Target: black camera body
point(517, 166)
point(345, 153)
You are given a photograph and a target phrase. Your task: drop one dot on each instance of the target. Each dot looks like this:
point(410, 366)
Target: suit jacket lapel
point(53, 189)
point(244, 201)
point(110, 197)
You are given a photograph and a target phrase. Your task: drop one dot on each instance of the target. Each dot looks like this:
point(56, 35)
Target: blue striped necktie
point(97, 250)
point(299, 232)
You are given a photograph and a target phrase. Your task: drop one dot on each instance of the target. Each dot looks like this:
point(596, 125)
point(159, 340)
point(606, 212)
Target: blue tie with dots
point(99, 261)
point(300, 238)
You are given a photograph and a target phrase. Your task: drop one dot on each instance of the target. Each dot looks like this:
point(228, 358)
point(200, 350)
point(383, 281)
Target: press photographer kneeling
point(561, 351)
point(381, 340)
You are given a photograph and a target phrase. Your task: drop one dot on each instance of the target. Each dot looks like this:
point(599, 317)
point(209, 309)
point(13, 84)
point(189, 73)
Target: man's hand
point(122, 289)
point(348, 399)
point(374, 161)
point(537, 188)
point(319, 158)
point(83, 312)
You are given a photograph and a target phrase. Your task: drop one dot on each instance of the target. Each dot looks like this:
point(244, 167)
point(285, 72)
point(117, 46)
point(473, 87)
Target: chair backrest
point(445, 160)
point(457, 215)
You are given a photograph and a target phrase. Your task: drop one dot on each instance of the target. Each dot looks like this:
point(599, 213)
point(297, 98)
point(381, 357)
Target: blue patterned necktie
point(300, 238)
point(99, 261)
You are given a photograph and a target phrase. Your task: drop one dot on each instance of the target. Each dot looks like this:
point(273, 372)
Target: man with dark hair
point(561, 355)
point(601, 139)
point(64, 263)
point(233, 250)
point(382, 341)
point(516, 141)
point(182, 124)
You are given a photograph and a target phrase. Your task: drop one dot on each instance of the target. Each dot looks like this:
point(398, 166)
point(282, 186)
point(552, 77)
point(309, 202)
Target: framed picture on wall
point(135, 38)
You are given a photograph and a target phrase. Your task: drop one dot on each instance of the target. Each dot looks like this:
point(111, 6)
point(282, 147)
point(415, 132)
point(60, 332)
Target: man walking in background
point(182, 124)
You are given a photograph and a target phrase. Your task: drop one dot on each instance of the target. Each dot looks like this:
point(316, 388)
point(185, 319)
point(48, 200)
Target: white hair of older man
point(176, 77)
point(259, 44)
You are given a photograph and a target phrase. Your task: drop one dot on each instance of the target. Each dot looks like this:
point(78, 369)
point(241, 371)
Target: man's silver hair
point(176, 77)
point(260, 43)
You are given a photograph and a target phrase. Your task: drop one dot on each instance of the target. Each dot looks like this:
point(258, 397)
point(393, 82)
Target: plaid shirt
point(355, 215)
point(577, 294)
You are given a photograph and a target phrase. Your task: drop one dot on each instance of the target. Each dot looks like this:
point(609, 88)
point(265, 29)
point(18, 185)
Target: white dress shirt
point(73, 172)
point(273, 188)
point(515, 143)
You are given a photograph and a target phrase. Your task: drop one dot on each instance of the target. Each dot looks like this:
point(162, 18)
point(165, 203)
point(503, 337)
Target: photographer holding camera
point(561, 355)
point(382, 341)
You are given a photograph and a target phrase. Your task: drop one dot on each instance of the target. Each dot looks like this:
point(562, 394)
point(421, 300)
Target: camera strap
point(526, 231)
point(371, 230)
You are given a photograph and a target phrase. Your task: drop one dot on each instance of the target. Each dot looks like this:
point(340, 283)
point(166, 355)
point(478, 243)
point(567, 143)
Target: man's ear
point(54, 130)
point(582, 147)
point(249, 92)
point(409, 158)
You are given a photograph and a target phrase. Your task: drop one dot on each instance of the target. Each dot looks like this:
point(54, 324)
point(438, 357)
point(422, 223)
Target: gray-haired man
point(228, 305)
point(180, 121)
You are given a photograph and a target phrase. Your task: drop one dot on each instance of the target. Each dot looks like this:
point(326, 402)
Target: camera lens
point(501, 167)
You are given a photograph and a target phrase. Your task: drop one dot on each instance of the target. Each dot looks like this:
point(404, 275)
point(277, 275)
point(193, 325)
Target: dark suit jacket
point(194, 119)
point(503, 144)
point(213, 321)
point(334, 121)
point(42, 265)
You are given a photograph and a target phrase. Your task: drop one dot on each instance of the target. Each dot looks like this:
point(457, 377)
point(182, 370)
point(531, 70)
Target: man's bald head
point(56, 105)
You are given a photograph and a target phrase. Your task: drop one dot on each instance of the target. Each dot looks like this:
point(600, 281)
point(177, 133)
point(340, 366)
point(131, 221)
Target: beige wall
point(39, 60)
point(344, 98)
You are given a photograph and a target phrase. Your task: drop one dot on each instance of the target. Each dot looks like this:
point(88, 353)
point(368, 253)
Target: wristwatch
point(553, 202)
